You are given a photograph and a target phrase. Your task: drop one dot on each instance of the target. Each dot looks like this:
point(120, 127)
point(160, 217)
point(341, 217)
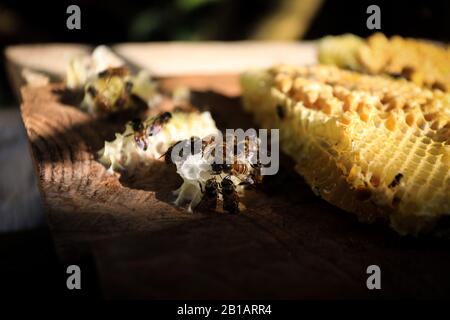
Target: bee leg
point(184, 193)
point(176, 192)
point(231, 208)
point(178, 200)
point(201, 188)
point(195, 201)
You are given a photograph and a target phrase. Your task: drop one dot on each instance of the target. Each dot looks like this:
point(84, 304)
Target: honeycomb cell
point(384, 152)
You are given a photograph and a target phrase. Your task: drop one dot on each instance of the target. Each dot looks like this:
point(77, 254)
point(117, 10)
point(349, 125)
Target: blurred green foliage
point(189, 5)
point(113, 21)
point(174, 20)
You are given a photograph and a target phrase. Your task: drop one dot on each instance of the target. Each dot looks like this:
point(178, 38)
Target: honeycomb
point(422, 62)
point(109, 85)
point(371, 145)
point(123, 153)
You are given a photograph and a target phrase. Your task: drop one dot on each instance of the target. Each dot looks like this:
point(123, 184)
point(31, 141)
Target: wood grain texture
point(64, 142)
point(287, 244)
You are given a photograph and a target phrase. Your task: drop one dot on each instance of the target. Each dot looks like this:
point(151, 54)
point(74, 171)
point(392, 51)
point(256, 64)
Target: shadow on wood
point(288, 244)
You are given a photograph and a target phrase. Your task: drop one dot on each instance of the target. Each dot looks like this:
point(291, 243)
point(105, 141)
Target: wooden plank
point(209, 58)
point(78, 193)
point(288, 243)
point(160, 58)
point(40, 63)
point(304, 252)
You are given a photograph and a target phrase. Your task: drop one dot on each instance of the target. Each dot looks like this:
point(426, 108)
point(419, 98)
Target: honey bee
point(396, 181)
point(241, 165)
point(240, 169)
point(219, 168)
point(210, 145)
point(158, 122)
point(256, 173)
point(237, 168)
point(111, 90)
point(248, 173)
point(216, 168)
point(210, 195)
point(208, 141)
point(137, 124)
point(251, 149)
point(168, 154)
point(247, 181)
point(230, 196)
point(193, 144)
point(142, 130)
point(139, 133)
point(280, 112)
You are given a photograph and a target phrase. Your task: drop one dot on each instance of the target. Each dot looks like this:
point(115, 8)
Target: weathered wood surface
point(288, 243)
point(41, 61)
point(30, 64)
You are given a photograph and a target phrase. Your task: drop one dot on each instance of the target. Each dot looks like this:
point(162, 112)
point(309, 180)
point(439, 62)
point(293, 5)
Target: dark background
point(110, 21)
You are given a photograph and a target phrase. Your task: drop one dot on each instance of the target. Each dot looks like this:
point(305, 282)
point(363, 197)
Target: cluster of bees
point(232, 165)
point(230, 169)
